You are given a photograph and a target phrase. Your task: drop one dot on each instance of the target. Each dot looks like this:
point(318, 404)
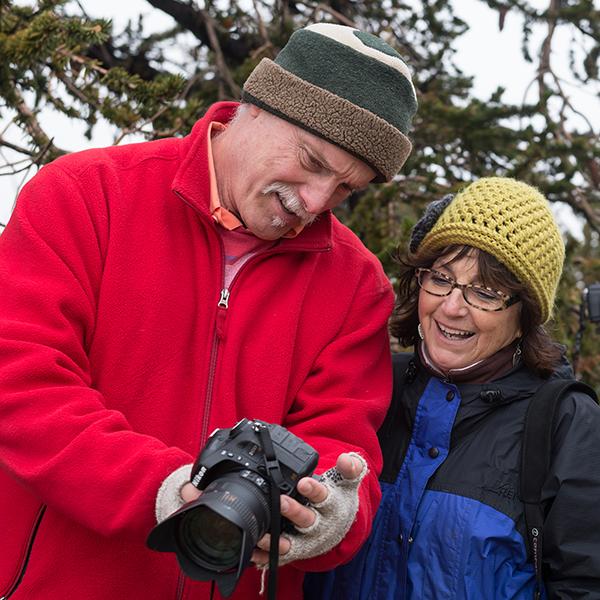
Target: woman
point(476, 287)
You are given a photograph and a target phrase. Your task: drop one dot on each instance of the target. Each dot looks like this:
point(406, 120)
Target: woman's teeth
point(454, 334)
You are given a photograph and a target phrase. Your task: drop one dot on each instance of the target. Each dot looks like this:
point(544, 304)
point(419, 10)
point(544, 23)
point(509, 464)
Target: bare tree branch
point(580, 203)
point(38, 135)
point(190, 18)
point(334, 13)
point(82, 60)
point(220, 60)
point(261, 25)
point(544, 65)
point(5, 143)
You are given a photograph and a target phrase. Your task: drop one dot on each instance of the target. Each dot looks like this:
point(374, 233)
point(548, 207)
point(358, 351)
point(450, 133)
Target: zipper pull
point(224, 299)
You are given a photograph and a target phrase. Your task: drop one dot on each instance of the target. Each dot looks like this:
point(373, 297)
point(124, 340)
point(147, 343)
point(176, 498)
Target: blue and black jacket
point(450, 524)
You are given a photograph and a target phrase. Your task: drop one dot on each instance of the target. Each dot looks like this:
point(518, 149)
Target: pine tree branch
point(140, 127)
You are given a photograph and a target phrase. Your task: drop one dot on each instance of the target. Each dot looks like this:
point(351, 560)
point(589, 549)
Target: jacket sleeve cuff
point(169, 499)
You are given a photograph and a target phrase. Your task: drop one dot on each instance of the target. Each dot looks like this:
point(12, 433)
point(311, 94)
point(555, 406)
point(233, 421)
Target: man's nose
point(318, 195)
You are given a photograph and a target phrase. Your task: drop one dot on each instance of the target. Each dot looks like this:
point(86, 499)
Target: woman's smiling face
point(456, 334)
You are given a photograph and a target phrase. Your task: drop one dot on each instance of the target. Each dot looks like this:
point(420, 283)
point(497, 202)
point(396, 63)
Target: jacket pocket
point(23, 555)
point(20, 516)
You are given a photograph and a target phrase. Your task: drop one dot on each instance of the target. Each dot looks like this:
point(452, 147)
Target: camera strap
point(274, 472)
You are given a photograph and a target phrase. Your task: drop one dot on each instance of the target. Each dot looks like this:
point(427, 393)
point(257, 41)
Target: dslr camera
point(214, 535)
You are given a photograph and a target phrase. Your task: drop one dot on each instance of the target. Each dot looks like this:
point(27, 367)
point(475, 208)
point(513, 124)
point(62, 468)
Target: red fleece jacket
point(116, 364)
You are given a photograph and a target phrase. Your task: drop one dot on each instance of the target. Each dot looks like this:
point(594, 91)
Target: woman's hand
point(350, 468)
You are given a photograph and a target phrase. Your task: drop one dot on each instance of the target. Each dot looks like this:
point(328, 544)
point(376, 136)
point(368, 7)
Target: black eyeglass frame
point(507, 300)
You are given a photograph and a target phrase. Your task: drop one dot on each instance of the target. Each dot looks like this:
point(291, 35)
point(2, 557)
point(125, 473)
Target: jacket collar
point(481, 371)
point(192, 182)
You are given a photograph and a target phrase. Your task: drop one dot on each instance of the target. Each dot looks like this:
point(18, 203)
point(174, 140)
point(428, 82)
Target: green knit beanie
point(509, 220)
point(345, 86)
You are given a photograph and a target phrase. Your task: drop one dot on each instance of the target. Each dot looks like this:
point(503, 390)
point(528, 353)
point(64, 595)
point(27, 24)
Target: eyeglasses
point(481, 297)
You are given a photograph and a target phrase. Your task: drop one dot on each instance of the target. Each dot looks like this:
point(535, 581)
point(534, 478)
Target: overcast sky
point(492, 56)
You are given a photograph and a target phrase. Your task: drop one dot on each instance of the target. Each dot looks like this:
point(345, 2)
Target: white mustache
point(290, 201)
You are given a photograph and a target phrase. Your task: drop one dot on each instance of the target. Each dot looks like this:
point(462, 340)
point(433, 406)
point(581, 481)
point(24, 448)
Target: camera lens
point(210, 538)
point(226, 522)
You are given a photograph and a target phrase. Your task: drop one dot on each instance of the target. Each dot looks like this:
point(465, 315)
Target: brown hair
point(540, 352)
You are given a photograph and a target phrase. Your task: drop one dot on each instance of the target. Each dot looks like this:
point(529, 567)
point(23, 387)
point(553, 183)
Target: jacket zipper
point(21, 572)
point(222, 307)
point(180, 585)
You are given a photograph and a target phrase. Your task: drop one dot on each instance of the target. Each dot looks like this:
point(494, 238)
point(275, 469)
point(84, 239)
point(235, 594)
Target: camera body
point(239, 449)
point(214, 536)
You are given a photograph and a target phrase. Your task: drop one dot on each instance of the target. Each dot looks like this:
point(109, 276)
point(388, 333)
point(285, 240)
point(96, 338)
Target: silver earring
point(420, 330)
point(516, 359)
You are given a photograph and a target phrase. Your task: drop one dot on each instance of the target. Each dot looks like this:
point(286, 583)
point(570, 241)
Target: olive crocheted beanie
point(506, 218)
point(344, 85)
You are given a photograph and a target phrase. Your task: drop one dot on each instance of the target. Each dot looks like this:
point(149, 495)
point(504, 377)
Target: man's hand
point(189, 492)
point(316, 492)
point(303, 517)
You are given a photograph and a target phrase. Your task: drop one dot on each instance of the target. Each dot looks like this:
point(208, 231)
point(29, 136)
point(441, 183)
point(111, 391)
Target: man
point(154, 292)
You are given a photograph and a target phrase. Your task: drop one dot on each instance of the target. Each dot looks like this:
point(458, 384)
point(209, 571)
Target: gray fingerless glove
point(168, 498)
point(333, 517)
